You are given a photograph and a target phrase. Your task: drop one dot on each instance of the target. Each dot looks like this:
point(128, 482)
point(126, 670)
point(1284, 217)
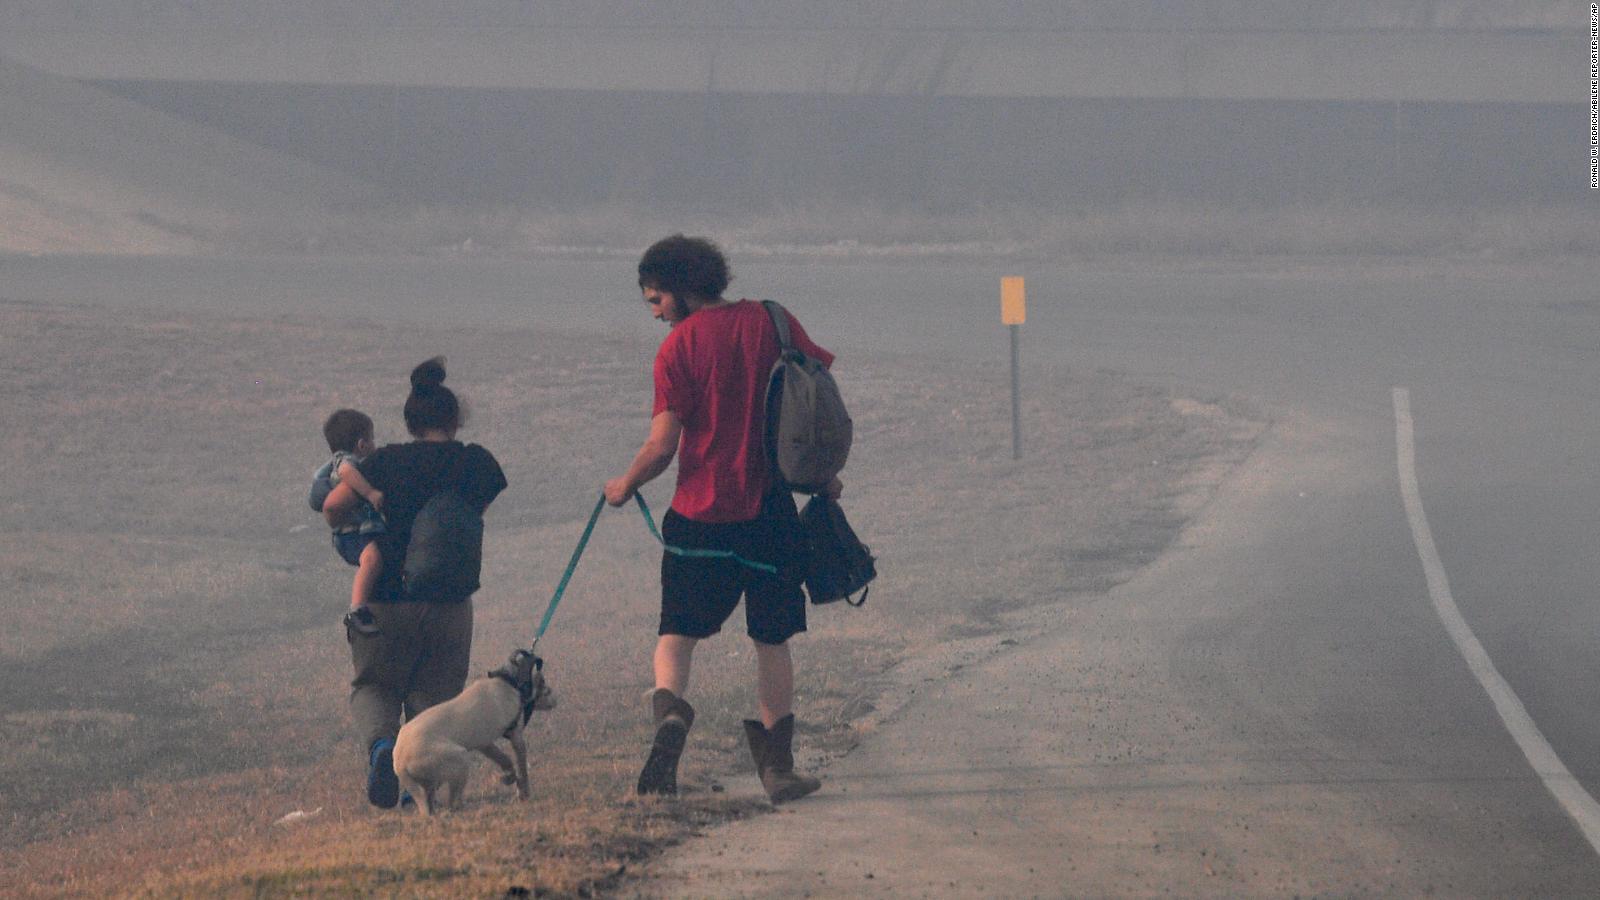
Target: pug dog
point(434, 750)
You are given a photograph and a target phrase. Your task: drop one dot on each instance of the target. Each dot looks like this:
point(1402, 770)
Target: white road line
point(1568, 792)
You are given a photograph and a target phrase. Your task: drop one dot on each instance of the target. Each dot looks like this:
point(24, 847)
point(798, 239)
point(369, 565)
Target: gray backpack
point(808, 429)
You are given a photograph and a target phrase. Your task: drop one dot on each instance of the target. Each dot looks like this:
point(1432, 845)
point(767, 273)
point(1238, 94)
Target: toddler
point(349, 434)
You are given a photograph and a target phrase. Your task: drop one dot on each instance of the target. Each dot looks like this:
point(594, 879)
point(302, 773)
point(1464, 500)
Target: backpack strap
point(780, 321)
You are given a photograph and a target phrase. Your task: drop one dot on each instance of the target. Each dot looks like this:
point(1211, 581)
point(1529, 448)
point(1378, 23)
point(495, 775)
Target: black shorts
point(698, 594)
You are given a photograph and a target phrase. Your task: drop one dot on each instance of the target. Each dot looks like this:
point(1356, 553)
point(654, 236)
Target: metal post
point(1013, 312)
point(1016, 395)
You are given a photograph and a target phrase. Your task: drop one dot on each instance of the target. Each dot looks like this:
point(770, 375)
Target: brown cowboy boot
point(774, 759)
point(673, 716)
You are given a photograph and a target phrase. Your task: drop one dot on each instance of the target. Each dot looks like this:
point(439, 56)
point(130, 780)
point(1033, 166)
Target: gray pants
point(418, 658)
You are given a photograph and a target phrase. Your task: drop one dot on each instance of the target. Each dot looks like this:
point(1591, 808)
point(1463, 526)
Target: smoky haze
point(495, 119)
point(1248, 228)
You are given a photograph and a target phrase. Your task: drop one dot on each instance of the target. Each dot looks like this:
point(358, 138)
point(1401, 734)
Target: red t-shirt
point(712, 371)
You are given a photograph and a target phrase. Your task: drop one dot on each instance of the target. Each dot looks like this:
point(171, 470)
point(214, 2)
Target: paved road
point(1275, 708)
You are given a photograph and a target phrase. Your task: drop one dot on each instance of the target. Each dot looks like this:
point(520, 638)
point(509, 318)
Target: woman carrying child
point(411, 651)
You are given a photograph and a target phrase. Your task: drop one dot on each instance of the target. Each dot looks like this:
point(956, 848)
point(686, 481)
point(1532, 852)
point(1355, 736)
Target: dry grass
point(172, 677)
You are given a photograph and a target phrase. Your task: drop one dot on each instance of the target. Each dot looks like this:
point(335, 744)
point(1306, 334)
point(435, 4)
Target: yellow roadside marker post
point(1013, 311)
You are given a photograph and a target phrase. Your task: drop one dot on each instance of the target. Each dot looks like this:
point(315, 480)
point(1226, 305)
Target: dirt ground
point(172, 677)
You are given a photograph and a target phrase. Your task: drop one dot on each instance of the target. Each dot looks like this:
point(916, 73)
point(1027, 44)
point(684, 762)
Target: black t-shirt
point(410, 474)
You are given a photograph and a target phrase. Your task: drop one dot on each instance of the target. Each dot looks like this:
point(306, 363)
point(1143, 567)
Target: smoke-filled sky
point(156, 109)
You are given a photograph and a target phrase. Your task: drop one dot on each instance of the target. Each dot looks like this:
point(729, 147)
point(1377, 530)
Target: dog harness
point(525, 693)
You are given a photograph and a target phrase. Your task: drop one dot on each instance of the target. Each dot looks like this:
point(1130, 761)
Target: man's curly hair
point(685, 267)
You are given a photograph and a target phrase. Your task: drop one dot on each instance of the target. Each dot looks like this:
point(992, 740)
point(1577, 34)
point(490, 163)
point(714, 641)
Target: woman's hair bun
point(429, 374)
point(431, 405)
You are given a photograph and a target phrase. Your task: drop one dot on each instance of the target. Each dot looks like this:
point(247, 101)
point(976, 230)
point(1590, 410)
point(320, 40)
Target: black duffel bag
point(837, 563)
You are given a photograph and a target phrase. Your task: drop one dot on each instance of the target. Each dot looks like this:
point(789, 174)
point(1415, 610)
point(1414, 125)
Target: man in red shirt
point(710, 388)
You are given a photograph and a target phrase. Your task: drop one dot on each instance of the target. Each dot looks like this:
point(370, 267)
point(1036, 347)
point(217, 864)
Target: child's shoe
point(360, 621)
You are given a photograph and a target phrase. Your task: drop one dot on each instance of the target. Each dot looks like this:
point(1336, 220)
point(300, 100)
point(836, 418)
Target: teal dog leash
point(572, 566)
point(644, 509)
point(698, 553)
